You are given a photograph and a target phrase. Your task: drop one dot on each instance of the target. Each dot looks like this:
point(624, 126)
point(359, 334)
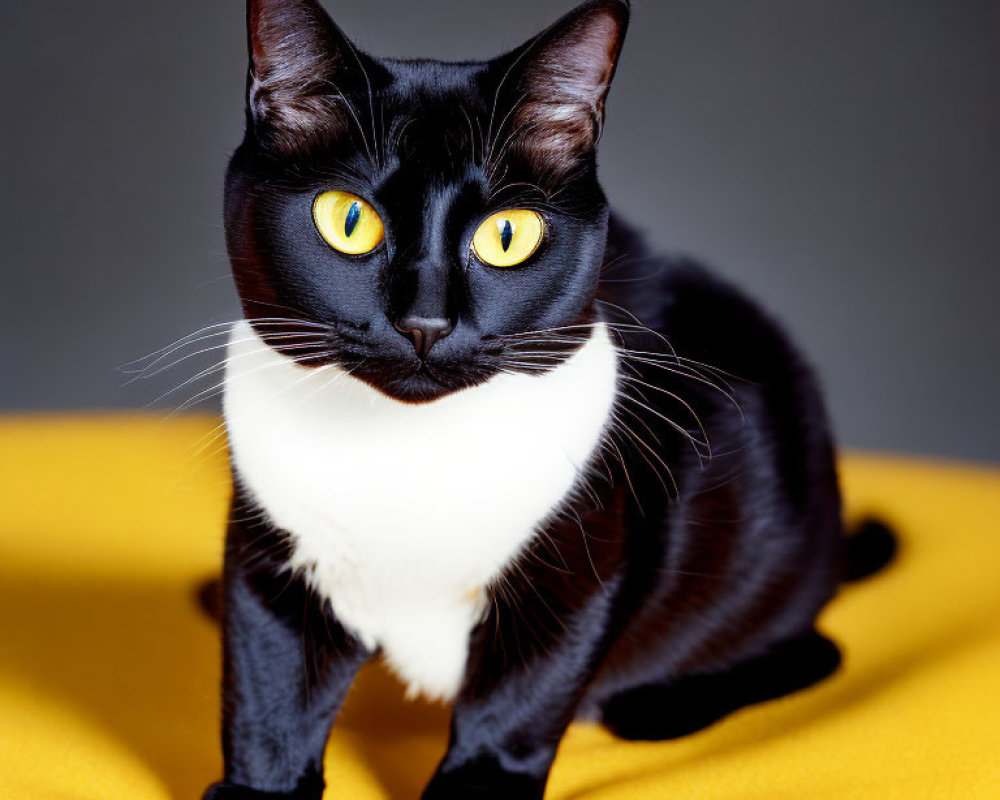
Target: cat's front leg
point(287, 667)
point(529, 663)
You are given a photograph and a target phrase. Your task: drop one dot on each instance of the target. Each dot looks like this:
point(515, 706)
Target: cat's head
point(421, 220)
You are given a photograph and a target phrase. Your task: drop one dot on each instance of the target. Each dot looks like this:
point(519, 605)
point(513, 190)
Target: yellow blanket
point(109, 672)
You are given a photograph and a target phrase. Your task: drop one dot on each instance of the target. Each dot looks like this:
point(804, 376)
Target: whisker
point(609, 440)
point(225, 329)
point(620, 424)
point(269, 337)
point(211, 391)
point(673, 363)
point(218, 432)
point(228, 359)
point(695, 444)
point(339, 95)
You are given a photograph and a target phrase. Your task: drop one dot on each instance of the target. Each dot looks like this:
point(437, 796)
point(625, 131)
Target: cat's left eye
point(508, 238)
point(347, 222)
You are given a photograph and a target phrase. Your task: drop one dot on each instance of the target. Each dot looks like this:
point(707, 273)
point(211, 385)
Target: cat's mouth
point(422, 385)
point(423, 382)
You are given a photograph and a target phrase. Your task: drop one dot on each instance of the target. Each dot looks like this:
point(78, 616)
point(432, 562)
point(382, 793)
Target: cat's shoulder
point(700, 312)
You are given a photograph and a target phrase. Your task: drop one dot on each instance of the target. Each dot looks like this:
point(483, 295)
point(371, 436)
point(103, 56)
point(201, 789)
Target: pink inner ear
point(564, 87)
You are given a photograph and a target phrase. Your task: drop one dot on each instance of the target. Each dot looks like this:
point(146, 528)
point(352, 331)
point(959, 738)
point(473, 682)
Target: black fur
point(684, 580)
point(287, 667)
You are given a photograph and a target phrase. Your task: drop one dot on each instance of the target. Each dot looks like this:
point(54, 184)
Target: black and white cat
point(478, 429)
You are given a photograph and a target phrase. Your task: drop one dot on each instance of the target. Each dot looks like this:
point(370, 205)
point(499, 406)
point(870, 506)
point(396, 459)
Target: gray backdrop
point(839, 159)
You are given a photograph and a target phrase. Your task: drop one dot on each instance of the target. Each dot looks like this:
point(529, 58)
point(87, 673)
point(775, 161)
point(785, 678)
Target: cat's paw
point(231, 791)
point(477, 784)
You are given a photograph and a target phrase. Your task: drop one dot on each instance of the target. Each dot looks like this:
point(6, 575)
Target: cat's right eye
point(347, 222)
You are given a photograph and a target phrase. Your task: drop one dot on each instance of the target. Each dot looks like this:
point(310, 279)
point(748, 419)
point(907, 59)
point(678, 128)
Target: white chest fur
point(400, 514)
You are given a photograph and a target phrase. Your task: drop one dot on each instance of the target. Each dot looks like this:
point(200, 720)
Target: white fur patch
point(400, 514)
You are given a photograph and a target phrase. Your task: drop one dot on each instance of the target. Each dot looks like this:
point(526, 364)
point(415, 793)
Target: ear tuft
point(563, 77)
point(297, 58)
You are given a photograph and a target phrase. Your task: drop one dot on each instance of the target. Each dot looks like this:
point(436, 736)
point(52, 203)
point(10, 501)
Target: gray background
point(840, 159)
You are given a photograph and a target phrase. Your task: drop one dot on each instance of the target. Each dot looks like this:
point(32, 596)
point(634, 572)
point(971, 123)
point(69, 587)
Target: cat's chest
point(401, 514)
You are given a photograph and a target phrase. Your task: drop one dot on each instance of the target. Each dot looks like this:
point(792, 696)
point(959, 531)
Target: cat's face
point(420, 219)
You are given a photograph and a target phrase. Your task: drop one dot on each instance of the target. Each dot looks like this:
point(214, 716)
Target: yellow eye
point(507, 238)
point(347, 222)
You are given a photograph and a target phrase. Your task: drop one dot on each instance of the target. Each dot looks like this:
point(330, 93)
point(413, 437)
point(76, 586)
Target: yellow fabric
point(109, 673)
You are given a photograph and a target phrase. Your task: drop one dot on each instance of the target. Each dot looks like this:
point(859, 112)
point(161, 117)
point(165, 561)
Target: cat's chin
point(419, 386)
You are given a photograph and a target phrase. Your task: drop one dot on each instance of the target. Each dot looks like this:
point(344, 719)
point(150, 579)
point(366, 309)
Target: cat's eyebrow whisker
point(497, 157)
point(528, 184)
point(482, 136)
point(336, 172)
point(472, 134)
point(371, 99)
point(381, 127)
point(492, 157)
point(397, 132)
point(490, 134)
point(341, 97)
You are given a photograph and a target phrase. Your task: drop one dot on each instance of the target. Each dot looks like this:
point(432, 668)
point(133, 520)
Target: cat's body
point(542, 471)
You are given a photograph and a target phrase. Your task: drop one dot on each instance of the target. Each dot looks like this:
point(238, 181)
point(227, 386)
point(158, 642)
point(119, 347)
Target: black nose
point(423, 332)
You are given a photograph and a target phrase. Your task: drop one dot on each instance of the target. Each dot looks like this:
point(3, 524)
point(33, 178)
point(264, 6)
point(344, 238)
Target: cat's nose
point(423, 332)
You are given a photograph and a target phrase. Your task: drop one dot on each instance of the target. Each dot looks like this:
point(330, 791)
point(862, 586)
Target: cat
point(478, 428)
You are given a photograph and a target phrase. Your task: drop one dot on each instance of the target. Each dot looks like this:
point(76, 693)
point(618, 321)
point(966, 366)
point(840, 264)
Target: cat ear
point(300, 63)
point(561, 79)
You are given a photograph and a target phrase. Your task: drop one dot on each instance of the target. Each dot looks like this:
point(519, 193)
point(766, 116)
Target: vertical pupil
point(353, 215)
point(506, 233)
